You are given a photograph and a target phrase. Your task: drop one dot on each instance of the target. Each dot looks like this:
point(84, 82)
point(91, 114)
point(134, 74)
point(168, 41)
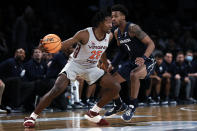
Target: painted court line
point(63, 119)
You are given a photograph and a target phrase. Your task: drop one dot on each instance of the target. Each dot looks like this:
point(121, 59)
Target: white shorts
point(90, 75)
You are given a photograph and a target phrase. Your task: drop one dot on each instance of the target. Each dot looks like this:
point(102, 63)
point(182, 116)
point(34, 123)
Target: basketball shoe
point(116, 109)
point(29, 122)
point(128, 114)
point(95, 118)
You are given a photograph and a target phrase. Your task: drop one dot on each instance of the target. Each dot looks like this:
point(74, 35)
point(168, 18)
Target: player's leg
point(140, 72)
point(119, 105)
point(59, 86)
point(122, 75)
point(136, 74)
point(110, 88)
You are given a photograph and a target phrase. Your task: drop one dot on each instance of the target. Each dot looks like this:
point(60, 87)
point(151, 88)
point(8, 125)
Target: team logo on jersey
point(125, 41)
point(97, 47)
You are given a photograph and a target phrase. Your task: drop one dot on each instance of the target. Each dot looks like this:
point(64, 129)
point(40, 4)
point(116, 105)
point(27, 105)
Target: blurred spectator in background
point(47, 58)
point(187, 41)
point(180, 75)
point(168, 63)
point(3, 47)
point(156, 78)
point(35, 68)
point(192, 64)
point(25, 31)
point(35, 74)
point(11, 71)
point(172, 46)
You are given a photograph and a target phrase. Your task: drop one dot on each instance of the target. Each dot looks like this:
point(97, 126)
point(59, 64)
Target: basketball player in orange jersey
point(92, 43)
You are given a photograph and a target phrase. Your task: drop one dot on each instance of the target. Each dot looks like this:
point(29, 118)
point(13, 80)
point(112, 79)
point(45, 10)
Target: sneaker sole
point(114, 114)
point(125, 120)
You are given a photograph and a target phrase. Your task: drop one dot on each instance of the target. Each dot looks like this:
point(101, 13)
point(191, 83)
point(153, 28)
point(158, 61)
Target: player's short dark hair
point(120, 8)
point(100, 16)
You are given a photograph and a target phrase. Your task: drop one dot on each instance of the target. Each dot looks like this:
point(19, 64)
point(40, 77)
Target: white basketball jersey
point(89, 54)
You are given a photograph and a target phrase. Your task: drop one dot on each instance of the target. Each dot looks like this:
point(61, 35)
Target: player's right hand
point(41, 47)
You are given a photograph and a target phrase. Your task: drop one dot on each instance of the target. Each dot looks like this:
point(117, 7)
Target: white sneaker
point(3, 111)
point(95, 118)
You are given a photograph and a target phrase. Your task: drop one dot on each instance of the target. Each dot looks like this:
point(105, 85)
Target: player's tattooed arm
point(136, 31)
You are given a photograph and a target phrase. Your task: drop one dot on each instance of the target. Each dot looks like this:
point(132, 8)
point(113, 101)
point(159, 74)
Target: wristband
point(144, 57)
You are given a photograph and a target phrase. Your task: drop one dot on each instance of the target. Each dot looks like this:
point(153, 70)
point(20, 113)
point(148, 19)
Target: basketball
point(51, 43)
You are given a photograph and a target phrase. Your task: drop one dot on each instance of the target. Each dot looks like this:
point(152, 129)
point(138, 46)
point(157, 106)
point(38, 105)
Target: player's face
point(117, 17)
point(107, 24)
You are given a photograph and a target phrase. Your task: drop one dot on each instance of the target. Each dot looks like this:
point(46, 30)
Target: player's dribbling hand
point(139, 61)
point(40, 46)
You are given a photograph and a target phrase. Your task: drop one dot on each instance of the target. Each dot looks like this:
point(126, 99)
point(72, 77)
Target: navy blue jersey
point(11, 68)
point(160, 69)
point(133, 46)
point(57, 64)
point(35, 70)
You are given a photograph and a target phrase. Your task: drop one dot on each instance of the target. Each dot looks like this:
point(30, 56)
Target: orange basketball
point(51, 43)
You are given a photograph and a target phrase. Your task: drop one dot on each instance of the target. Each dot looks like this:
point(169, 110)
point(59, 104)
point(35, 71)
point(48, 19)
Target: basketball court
point(158, 118)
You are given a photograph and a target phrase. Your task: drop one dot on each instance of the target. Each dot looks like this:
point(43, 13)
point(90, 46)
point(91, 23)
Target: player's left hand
point(139, 61)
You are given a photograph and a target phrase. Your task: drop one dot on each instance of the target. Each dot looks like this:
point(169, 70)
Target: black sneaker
point(150, 101)
point(116, 109)
point(128, 114)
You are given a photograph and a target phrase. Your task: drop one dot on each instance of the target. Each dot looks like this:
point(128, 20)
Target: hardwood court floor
point(157, 118)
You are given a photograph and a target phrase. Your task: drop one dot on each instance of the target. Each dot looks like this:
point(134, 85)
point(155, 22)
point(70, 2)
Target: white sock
point(33, 115)
point(96, 109)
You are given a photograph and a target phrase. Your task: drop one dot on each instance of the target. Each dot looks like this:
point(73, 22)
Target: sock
point(33, 115)
point(134, 102)
point(118, 101)
point(96, 109)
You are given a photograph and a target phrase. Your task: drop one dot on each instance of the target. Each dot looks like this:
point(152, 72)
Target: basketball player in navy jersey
point(133, 40)
point(92, 43)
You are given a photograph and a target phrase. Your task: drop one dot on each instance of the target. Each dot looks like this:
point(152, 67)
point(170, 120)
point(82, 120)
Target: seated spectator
point(35, 68)
point(156, 77)
point(47, 58)
point(180, 75)
point(192, 64)
point(167, 62)
point(35, 74)
point(11, 72)
point(160, 78)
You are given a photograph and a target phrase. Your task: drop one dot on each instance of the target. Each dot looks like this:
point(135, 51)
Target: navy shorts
point(126, 67)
